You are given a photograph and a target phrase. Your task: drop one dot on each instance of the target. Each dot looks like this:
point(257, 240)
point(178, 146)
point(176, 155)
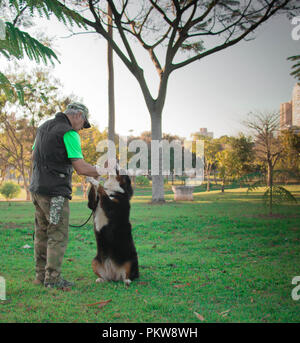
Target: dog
point(116, 258)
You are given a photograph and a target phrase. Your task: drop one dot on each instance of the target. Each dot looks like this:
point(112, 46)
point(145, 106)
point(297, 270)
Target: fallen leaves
point(224, 313)
point(182, 285)
point(199, 316)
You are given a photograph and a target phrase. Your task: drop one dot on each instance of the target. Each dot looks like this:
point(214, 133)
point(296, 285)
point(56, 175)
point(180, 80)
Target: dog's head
point(116, 186)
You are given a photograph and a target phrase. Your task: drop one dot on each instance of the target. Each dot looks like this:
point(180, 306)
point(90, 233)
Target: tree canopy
point(15, 43)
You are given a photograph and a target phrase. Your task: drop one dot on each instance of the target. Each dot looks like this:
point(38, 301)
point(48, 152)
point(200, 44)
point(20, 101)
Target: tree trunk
point(133, 179)
point(223, 185)
point(111, 90)
point(208, 181)
point(215, 178)
point(270, 185)
point(158, 194)
point(28, 197)
point(26, 186)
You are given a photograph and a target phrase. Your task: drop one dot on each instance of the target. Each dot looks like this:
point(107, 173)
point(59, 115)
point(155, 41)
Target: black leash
point(83, 223)
point(78, 226)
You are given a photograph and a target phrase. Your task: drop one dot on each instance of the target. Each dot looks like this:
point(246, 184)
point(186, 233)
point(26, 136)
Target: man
point(57, 150)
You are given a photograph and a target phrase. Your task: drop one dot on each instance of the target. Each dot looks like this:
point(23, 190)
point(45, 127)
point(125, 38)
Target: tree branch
point(266, 16)
point(154, 4)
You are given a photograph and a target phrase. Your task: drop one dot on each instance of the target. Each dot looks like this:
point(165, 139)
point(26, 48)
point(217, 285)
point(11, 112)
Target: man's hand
point(83, 168)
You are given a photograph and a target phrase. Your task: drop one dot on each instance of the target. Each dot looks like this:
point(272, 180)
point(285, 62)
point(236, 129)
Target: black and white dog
point(116, 258)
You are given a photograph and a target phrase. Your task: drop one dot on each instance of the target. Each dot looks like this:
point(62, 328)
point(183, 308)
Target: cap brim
point(86, 124)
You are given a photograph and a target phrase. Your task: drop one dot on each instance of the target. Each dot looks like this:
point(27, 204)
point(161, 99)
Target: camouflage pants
point(51, 236)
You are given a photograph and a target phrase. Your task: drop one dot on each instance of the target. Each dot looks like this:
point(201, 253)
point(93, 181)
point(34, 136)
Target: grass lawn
point(220, 257)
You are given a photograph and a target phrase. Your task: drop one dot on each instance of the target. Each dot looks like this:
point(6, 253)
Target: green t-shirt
point(72, 144)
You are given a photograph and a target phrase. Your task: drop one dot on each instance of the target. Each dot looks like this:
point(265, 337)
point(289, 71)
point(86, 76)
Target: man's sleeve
point(73, 144)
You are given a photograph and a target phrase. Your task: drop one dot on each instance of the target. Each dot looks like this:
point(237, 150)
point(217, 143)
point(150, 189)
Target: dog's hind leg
point(127, 282)
point(126, 273)
point(96, 269)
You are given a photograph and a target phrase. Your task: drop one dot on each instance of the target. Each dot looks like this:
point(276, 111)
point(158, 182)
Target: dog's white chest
point(100, 218)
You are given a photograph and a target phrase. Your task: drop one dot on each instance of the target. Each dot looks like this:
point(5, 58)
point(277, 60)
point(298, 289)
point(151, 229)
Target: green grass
point(220, 256)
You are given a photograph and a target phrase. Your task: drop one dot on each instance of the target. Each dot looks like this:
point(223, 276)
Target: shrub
point(74, 189)
point(142, 180)
point(10, 190)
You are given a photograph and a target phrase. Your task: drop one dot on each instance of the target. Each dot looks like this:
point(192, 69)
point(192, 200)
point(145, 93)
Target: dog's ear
point(92, 198)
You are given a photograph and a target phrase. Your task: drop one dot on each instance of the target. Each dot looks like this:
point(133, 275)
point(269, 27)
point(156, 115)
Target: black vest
point(52, 169)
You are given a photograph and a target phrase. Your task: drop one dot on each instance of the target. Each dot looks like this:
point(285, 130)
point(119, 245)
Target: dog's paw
point(100, 280)
point(92, 181)
point(127, 282)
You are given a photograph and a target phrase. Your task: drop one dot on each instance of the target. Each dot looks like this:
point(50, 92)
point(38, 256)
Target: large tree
point(18, 124)
point(269, 147)
point(111, 81)
point(164, 28)
point(265, 127)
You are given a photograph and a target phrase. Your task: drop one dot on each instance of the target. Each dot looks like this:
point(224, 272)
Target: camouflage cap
point(80, 107)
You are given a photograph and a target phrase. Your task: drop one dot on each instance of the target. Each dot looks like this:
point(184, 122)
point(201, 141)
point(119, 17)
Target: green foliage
point(289, 160)
point(18, 124)
point(279, 195)
point(18, 43)
point(10, 190)
point(296, 67)
point(273, 194)
point(47, 8)
point(142, 180)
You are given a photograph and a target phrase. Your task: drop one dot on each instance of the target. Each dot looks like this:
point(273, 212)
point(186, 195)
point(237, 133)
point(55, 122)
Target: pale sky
point(216, 92)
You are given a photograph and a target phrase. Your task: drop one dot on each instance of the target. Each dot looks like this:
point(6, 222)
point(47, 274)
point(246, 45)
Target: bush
point(74, 189)
point(142, 180)
point(10, 190)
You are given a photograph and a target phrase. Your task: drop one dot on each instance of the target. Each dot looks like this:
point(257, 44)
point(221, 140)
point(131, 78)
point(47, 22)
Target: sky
point(216, 92)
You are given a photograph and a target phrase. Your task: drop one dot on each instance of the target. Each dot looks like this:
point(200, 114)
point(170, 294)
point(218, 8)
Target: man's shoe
point(61, 284)
point(38, 282)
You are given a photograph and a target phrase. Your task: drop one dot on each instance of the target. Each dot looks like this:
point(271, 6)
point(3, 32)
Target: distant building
point(290, 111)
point(296, 105)
point(286, 115)
point(203, 132)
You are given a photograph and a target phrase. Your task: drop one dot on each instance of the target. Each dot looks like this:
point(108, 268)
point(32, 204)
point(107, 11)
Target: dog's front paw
point(92, 181)
point(101, 190)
